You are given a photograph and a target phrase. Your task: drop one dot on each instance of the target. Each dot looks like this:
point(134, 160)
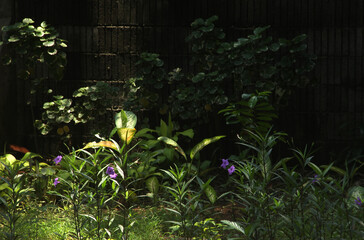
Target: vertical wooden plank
point(114, 40)
point(359, 12)
point(358, 71)
point(243, 18)
point(264, 13)
point(352, 41)
point(101, 12)
point(352, 81)
point(304, 13)
point(345, 82)
point(345, 42)
point(133, 12)
point(338, 41)
point(324, 42)
point(108, 39)
point(317, 42)
point(310, 41)
point(337, 72)
point(101, 37)
point(250, 12)
point(114, 12)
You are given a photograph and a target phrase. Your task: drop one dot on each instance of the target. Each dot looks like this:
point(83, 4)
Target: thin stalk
point(76, 211)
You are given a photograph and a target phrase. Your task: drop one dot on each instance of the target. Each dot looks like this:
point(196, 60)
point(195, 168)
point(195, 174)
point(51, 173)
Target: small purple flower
point(58, 159)
point(225, 163)
point(358, 202)
point(110, 171)
point(315, 178)
point(231, 170)
point(56, 182)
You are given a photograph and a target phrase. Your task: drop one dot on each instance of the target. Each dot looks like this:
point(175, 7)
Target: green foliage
point(223, 72)
point(29, 45)
point(144, 90)
point(185, 203)
point(13, 196)
point(92, 178)
point(160, 149)
point(87, 104)
point(304, 201)
point(208, 229)
point(253, 112)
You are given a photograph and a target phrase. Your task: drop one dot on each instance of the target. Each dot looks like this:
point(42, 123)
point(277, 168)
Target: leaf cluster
point(87, 103)
point(29, 45)
point(222, 71)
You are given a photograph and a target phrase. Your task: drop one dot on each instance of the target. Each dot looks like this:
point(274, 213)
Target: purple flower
point(358, 201)
point(315, 178)
point(110, 171)
point(56, 182)
point(231, 170)
point(225, 162)
point(58, 159)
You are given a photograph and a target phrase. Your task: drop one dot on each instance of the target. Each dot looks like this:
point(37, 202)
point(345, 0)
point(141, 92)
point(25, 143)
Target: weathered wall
point(8, 113)
point(105, 37)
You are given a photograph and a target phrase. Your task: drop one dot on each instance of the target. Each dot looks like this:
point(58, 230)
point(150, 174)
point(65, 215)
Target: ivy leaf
point(28, 21)
point(13, 38)
point(48, 43)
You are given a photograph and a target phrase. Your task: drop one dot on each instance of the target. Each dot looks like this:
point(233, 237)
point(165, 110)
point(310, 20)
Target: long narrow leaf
point(203, 144)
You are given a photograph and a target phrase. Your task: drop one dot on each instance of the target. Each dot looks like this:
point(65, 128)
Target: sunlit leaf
point(152, 184)
point(126, 134)
point(107, 144)
point(203, 144)
point(172, 143)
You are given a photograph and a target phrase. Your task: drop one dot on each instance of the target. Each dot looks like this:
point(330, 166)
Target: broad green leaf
point(125, 119)
point(203, 144)
point(48, 43)
point(13, 38)
point(8, 159)
point(28, 21)
point(169, 153)
point(152, 184)
point(188, 133)
point(164, 129)
point(356, 192)
point(126, 134)
point(210, 194)
point(172, 143)
point(3, 186)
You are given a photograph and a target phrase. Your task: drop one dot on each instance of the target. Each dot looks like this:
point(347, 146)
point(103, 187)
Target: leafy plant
point(253, 112)
point(87, 104)
point(303, 201)
point(29, 45)
point(13, 195)
point(186, 204)
point(248, 64)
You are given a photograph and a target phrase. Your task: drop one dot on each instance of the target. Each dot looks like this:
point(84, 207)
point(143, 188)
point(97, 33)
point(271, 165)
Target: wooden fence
point(106, 36)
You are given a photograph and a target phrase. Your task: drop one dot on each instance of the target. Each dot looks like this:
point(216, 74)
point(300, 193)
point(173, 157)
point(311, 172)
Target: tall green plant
point(299, 201)
point(13, 195)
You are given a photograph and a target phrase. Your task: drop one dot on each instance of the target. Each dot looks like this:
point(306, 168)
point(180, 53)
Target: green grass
point(50, 223)
point(43, 223)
